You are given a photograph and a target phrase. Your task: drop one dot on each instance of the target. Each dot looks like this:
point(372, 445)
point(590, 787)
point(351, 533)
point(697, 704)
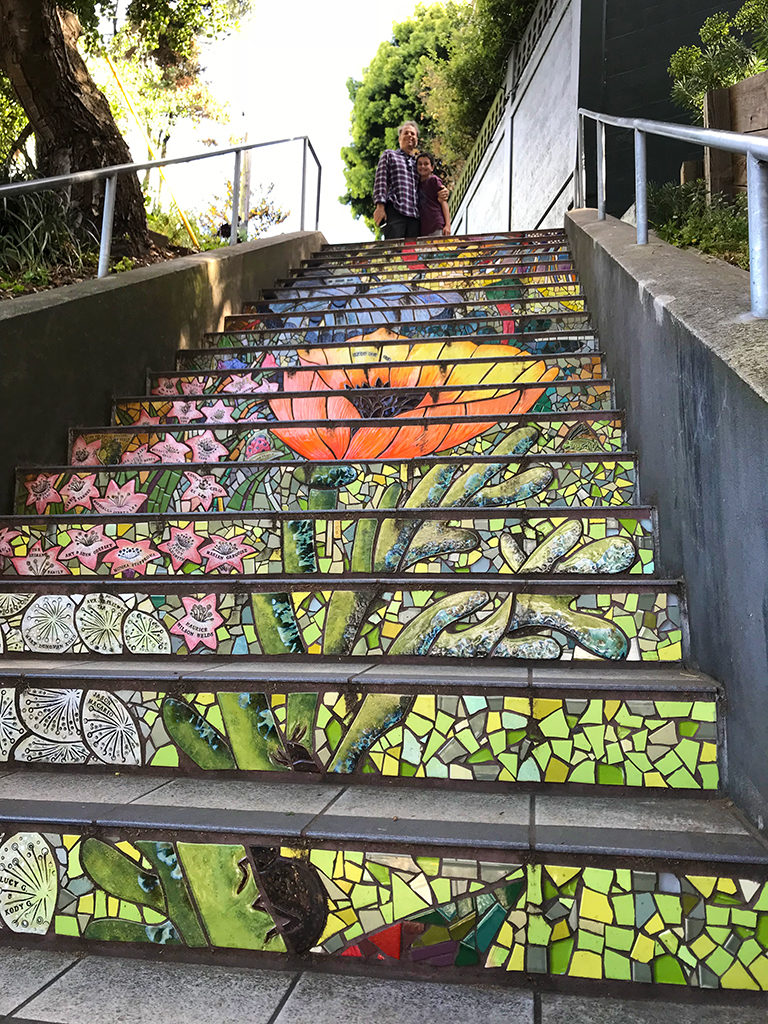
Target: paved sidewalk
point(39, 987)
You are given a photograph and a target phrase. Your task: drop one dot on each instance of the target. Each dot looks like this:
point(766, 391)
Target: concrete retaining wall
point(65, 353)
point(692, 371)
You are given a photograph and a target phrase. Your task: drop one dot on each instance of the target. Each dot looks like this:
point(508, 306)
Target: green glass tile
point(560, 955)
point(617, 967)
point(609, 775)
point(668, 971)
point(63, 924)
point(590, 941)
point(719, 961)
point(598, 879)
point(688, 728)
point(619, 938)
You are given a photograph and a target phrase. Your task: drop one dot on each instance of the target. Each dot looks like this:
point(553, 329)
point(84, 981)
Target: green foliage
point(37, 233)
point(459, 92)
point(442, 69)
point(161, 94)
point(732, 49)
point(170, 28)
point(390, 93)
point(682, 216)
point(13, 121)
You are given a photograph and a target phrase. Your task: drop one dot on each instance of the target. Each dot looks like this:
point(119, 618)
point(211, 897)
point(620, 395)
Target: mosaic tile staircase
point(256, 608)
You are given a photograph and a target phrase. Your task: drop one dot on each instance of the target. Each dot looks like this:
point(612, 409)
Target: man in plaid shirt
point(396, 186)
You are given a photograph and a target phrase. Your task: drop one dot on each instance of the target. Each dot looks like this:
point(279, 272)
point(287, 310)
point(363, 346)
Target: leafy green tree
point(73, 125)
point(458, 92)
point(732, 48)
point(442, 68)
point(390, 93)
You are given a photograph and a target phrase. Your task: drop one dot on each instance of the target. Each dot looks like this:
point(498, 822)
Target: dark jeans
point(398, 226)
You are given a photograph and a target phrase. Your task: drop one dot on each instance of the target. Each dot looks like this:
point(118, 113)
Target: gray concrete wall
point(691, 369)
point(65, 353)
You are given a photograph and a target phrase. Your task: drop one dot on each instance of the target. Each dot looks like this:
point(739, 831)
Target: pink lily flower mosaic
point(226, 552)
point(120, 500)
point(183, 546)
point(199, 623)
point(201, 491)
point(87, 545)
point(40, 563)
point(86, 453)
point(79, 492)
point(133, 556)
point(41, 492)
point(170, 450)
point(205, 448)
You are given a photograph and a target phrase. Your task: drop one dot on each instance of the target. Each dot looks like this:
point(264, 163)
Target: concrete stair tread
point(58, 987)
point(426, 675)
point(585, 337)
point(646, 827)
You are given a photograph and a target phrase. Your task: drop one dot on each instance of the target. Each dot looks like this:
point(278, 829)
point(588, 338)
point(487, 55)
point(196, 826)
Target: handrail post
point(757, 198)
point(641, 188)
point(235, 199)
point(317, 205)
point(107, 220)
point(580, 189)
point(303, 180)
point(600, 133)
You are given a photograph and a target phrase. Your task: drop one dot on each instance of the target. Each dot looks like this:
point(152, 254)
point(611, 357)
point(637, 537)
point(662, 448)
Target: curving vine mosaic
point(427, 910)
point(505, 738)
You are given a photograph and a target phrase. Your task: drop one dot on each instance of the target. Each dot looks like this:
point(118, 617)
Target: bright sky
point(285, 74)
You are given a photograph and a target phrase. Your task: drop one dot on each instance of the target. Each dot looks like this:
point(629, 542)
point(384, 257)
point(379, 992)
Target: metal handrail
point(754, 148)
point(112, 173)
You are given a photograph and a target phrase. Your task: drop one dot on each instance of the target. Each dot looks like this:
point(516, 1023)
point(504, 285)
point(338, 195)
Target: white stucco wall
point(524, 180)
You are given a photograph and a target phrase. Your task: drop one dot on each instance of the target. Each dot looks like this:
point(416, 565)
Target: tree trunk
point(73, 125)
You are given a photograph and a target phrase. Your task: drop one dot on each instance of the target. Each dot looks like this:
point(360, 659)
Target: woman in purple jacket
point(434, 214)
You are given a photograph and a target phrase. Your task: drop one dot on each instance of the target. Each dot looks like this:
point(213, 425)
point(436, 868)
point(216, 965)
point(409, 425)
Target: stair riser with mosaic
point(430, 541)
point(560, 285)
point(350, 441)
point(424, 909)
point(242, 349)
point(418, 323)
point(378, 403)
point(525, 278)
point(502, 739)
point(558, 481)
point(279, 364)
point(624, 620)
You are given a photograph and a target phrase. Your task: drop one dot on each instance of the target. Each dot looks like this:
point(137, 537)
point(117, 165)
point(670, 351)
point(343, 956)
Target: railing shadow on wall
point(110, 175)
point(754, 149)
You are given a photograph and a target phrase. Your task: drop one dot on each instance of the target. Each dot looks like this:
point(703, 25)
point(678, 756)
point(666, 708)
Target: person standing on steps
point(395, 187)
point(434, 215)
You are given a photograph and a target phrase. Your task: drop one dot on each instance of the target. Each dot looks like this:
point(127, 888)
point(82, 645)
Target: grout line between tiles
point(154, 789)
point(285, 997)
point(44, 987)
point(537, 1007)
point(324, 809)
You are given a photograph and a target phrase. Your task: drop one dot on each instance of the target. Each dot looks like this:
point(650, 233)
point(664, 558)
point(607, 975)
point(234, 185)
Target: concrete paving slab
point(556, 1009)
point(332, 999)
point(78, 787)
point(243, 795)
point(102, 990)
point(433, 805)
point(659, 814)
point(24, 971)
